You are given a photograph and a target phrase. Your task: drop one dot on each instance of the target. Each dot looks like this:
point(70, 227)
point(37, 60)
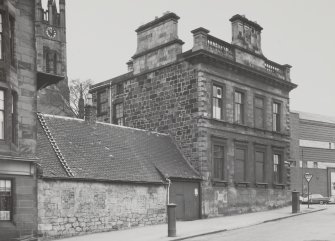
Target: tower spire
point(62, 13)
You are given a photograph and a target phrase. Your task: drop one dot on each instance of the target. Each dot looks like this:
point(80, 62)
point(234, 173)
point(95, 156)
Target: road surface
point(318, 226)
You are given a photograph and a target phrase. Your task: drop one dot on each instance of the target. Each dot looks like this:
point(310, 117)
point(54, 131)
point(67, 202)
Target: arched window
point(55, 63)
point(47, 62)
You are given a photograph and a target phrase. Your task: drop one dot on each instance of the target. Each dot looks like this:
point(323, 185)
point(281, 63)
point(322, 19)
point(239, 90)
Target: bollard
point(295, 202)
point(171, 212)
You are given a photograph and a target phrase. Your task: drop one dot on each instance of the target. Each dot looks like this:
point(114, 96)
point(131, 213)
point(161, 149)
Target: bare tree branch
point(75, 87)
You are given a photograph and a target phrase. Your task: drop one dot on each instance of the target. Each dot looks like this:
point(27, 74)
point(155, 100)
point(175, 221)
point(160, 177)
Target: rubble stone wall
point(73, 208)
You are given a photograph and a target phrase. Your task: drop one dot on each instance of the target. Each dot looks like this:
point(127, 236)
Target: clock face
point(51, 32)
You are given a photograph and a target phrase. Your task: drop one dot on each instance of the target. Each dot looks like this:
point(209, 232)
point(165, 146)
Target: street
point(311, 227)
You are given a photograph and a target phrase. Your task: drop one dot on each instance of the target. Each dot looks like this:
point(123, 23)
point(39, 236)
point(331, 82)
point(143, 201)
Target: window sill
point(242, 125)
point(262, 184)
point(219, 183)
point(242, 184)
point(279, 185)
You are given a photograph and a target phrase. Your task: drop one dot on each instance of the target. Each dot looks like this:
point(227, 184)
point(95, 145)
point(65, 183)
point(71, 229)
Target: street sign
point(308, 177)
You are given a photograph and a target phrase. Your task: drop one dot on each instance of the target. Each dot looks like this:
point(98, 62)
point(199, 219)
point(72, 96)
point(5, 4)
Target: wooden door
point(187, 197)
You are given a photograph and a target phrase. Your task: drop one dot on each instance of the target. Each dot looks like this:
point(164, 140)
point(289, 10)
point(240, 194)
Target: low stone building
point(99, 177)
point(225, 105)
point(313, 151)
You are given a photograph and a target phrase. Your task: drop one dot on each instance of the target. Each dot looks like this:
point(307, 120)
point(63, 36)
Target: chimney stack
point(246, 33)
point(90, 111)
point(130, 65)
point(157, 43)
point(81, 105)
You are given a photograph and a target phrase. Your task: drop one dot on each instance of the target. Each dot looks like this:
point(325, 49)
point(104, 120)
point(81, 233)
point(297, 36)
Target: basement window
point(5, 200)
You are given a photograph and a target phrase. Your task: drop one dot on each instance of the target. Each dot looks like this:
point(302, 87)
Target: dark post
point(295, 202)
point(171, 212)
point(308, 193)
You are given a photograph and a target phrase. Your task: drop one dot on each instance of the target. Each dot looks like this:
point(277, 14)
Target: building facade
point(96, 177)
point(313, 151)
point(50, 36)
point(18, 204)
point(225, 105)
point(21, 76)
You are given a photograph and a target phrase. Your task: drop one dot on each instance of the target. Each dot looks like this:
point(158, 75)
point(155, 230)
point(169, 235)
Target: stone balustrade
point(203, 41)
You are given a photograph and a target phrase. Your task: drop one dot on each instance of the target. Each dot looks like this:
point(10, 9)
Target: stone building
point(21, 75)
point(17, 117)
point(225, 105)
point(50, 36)
point(313, 151)
point(97, 177)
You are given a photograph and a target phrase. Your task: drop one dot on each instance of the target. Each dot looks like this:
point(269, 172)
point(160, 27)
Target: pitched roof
point(72, 148)
point(315, 117)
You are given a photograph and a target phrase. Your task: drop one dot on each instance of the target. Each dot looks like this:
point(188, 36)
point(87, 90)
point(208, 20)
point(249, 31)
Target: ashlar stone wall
point(73, 208)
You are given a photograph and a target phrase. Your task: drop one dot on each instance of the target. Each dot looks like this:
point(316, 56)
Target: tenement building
point(313, 151)
point(17, 117)
point(21, 75)
point(225, 105)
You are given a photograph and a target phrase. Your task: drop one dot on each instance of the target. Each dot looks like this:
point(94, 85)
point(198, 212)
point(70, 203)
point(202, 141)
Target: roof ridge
point(104, 123)
point(60, 117)
point(54, 145)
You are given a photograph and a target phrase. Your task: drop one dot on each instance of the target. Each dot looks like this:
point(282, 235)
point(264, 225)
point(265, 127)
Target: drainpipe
point(168, 190)
point(110, 102)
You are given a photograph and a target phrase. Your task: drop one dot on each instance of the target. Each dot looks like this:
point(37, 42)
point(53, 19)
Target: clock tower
point(52, 82)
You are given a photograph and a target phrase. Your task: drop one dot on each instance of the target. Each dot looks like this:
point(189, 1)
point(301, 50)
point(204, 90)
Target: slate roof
point(104, 151)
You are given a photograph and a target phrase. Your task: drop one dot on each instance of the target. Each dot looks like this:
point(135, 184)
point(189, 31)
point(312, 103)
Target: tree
point(78, 89)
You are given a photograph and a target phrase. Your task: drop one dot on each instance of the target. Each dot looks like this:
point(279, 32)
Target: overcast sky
point(101, 38)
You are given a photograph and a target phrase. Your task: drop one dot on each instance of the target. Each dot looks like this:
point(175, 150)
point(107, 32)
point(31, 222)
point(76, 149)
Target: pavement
point(189, 229)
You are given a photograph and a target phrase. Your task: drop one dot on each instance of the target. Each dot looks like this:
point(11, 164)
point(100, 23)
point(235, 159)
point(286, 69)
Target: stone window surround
point(115, 119)
point(243, 109)
point(7, 30)
point(99, 102)
point(222, 142)
point(14, 117)
point(1, 34)
point(257, 96)
point(280, 153)
point(223, 99)
point(280, 113)
point(119, 88)
point(3, 111)
point(9, 97)
point(260, 148)
point(12, 210)
point(242, 146)
point(12, 39)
